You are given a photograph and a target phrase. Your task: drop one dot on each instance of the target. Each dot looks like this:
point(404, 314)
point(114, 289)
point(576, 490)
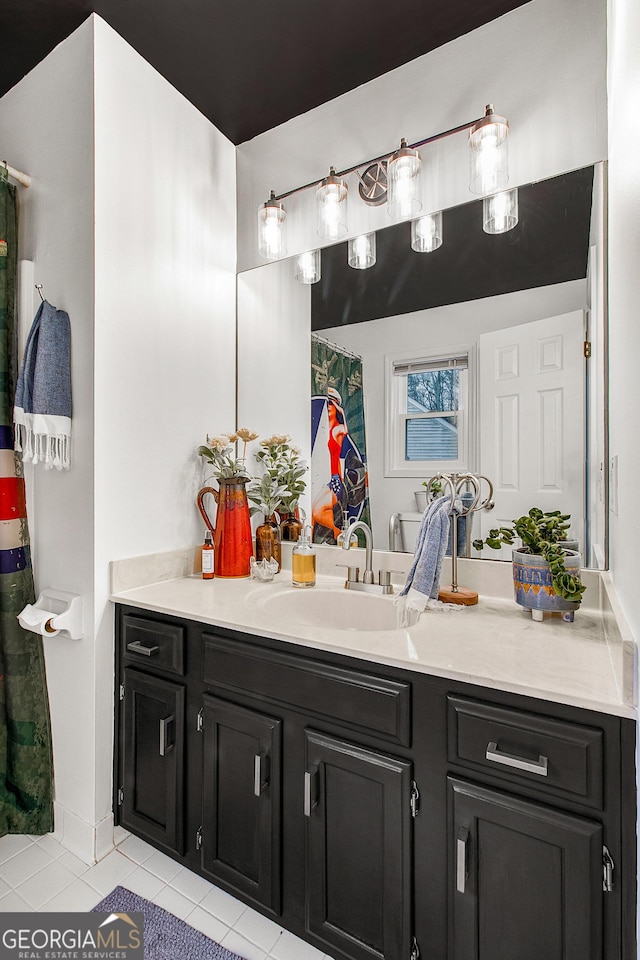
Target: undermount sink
point(334, 609)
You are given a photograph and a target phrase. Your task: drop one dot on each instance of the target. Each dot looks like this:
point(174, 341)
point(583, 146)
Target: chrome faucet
point(368, 582)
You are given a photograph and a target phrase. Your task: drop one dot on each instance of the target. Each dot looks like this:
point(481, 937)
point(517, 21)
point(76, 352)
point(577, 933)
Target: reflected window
point(428, 404)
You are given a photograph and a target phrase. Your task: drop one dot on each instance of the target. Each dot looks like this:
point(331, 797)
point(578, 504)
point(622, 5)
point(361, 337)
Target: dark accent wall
point(549, 245)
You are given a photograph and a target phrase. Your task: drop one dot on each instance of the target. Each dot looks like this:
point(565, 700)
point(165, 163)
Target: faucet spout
point(368, 540)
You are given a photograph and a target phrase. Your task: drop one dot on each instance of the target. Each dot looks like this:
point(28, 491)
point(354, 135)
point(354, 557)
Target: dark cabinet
point(241, 772)
point(359, 849)
point(526, 879)
point(377, 812)
point(152, 797)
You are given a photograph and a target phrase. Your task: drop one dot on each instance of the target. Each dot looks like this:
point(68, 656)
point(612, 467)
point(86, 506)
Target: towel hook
point(38, 287)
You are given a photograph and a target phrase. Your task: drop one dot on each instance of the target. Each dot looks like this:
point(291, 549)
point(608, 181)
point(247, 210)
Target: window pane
point(431, 438)
point(433, 390)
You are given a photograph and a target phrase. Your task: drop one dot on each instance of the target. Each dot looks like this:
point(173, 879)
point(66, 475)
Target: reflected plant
point(281, 461)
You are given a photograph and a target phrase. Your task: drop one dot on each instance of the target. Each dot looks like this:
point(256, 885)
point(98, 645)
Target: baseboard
point(88, 842)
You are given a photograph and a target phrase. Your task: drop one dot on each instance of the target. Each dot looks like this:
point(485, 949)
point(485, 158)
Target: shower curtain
point(26, 765)
point(339, 477)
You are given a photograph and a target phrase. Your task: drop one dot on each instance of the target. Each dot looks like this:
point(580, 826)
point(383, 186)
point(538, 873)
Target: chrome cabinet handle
point(137, 647)
point(538, 766)
point(165, 747)
point(310, 790)
point(461, 859)
point(260, 773)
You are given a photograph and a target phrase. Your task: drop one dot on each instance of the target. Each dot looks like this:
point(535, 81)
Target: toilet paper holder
point(64, 609)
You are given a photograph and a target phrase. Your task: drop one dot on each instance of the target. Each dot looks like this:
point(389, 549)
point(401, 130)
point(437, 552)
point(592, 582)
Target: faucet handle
point(353, 573)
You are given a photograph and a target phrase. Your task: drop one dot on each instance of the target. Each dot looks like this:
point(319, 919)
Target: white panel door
point(532, 428)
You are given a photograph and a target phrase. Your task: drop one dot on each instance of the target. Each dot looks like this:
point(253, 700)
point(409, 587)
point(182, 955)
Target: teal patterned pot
point(532, 583)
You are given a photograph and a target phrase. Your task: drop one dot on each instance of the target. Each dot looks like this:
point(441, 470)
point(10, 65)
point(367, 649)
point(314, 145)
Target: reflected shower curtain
point(339, 477)
point(26, 766)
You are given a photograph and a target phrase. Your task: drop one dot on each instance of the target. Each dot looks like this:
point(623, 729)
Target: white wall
point(542, 65)
point(458, 324)
point(153, 352)
point(47, 131)
point(624, 294)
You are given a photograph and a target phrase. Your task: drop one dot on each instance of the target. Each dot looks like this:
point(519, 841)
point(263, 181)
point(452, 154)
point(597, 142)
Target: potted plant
point(281, 461)
point(546, 570)
point(421, 495)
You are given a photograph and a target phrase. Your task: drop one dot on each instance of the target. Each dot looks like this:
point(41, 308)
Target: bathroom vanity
point(371, 790)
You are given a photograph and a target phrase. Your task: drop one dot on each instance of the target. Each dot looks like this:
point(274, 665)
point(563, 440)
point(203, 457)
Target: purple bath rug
point(165, 936)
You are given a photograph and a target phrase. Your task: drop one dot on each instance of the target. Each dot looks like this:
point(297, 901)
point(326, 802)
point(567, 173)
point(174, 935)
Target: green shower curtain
point(26, 764)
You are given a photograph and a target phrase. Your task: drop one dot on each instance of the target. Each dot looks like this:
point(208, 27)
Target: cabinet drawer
point(557, 756)
point(361, 700)
point(155, 645)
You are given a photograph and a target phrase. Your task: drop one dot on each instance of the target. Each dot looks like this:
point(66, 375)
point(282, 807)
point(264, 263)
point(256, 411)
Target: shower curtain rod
point(18, 175)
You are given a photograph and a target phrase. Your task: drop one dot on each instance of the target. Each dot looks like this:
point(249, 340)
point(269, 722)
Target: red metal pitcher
point(232, 542)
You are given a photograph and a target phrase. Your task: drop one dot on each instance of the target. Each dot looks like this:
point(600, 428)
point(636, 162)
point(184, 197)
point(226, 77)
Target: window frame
point(395, 464)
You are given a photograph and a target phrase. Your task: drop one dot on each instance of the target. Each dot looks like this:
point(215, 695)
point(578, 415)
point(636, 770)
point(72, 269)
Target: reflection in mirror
point(470, 358)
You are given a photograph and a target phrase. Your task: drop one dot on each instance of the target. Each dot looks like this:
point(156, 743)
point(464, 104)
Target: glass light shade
point(500, 212)
point(272, 240)
point(307, 267)
point(403, 183)
point(426, 233)
point(362, 251)
point(488, 153)
point(331, 207)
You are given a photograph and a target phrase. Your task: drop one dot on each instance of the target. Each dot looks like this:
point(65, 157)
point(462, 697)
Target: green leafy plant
point(542, 534)
point(280, 460)
point(436, 488)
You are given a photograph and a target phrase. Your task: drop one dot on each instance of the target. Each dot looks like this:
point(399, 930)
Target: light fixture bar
point(384, 156)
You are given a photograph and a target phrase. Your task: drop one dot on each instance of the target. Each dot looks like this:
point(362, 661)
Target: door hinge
point(607, 871)
point(200, 721)
point(122, 691)
point(415, 799)
point(415, 950)
point(587, 349)
point(120, 796)
point(198, 838)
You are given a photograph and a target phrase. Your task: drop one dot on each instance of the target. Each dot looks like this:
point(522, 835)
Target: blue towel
point(423, 579)
point(42, 408)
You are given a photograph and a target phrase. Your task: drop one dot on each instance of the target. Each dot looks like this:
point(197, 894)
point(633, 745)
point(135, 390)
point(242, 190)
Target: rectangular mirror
point(486, 355)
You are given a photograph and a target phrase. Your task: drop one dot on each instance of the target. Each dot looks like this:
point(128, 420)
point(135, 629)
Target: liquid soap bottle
point(303, 562)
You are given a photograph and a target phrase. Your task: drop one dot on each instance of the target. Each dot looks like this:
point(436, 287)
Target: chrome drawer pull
point(137, 647)
point(461, 860)
point(165, 723)
point(260, 773)
point(538, 766)
point(310, 790)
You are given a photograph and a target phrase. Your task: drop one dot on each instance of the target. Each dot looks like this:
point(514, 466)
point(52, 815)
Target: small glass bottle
point(353, 538)
point(207, 557)
point(303, 562)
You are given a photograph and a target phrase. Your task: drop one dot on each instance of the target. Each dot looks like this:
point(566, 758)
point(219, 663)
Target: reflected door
point(532, 421)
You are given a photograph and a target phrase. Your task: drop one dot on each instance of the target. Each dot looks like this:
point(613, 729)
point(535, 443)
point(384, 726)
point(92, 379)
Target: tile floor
point(39, 874)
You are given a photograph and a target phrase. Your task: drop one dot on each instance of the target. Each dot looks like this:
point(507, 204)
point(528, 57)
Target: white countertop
point(589, 663)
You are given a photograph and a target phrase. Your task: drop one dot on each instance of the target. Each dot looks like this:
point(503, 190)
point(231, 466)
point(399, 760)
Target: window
point(427, 414)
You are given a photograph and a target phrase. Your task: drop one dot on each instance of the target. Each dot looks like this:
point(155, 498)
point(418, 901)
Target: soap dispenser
point(303, 562)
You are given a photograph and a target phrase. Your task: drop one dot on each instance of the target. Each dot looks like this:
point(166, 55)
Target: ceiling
point(249, 65)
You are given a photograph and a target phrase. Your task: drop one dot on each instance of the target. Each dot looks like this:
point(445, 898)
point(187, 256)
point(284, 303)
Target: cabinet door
point(154, 757)
point(526, 879)
point(359, 849)
point(241, 798)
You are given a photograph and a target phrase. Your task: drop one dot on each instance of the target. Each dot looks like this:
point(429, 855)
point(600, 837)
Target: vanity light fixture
point(331, 206)
point(392, 176)
point(500, 212)
point(426, 233)
point(362, 251)
point(488, 153)
point(272, 229)
point(403, 183)
point(308, 267)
